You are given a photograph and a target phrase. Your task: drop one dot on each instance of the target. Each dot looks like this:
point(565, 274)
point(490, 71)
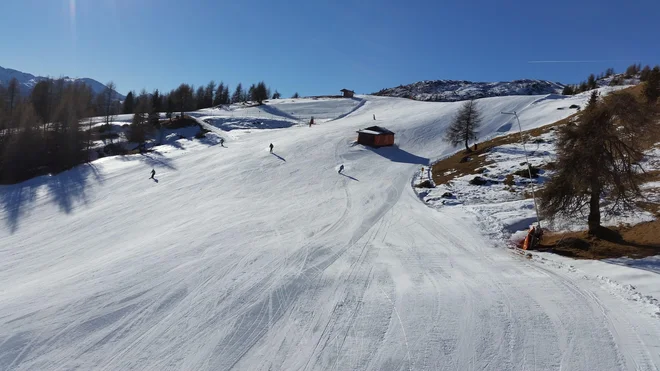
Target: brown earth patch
point(637, 241)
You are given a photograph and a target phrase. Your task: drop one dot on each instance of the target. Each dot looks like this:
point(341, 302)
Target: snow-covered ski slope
point(241, 259)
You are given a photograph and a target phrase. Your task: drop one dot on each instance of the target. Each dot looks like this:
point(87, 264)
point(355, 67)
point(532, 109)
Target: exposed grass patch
point(637, 241)
point(474, 162)
point(510, 181)
point(477, 180)
point(524, 173)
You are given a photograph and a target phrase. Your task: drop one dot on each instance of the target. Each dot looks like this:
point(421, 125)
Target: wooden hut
point(347, 93)
point(375, 136)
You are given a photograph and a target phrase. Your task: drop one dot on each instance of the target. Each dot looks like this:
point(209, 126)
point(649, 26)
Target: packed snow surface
point(236, 258)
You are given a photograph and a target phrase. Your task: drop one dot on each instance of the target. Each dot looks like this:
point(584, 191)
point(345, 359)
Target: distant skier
point(222, 142)
point(374, 116)
point(311, 122)
point(153, 173)
point(271, 147)
point(341, 168)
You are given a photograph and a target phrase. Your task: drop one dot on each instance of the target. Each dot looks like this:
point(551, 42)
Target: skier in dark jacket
point(222, 142)
point(271, 147)
point(341, 168)
point(153, 173)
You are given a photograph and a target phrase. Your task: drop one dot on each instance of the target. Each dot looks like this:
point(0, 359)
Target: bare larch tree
point(598, 156)
point(464, 126)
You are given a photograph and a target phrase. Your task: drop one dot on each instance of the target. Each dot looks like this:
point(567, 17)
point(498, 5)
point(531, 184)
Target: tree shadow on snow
point(151, 160)
point(67, 189)
point(277, 112)
point(504, 128)
point(349, 177)
point(248, 123)
point(211, 139)
point(396, 154)
point(510, 151)
point(651, 264)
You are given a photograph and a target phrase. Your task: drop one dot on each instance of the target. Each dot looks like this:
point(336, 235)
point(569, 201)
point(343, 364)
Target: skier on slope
point(153, 173)
point(271, 147)
point(341, 168)
point(222, 142)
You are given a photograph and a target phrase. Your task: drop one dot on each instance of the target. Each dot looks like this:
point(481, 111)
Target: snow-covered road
point(241, 259)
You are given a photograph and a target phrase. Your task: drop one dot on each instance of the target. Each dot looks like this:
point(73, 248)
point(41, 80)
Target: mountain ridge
point(457, 90)
point(28, 81)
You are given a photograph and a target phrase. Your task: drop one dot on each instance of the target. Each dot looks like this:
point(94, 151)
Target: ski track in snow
point(241, 259)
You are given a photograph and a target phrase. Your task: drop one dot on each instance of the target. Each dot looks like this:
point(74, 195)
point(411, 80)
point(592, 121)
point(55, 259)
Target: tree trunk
point(594, 208)
point(466, 136)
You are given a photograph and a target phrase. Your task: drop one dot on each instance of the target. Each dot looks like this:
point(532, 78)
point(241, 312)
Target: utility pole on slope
point(529, 166)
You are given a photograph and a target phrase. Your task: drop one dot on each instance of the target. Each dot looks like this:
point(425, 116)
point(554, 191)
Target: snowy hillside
point(28, 81)
point(451, 90)
point(236, 258)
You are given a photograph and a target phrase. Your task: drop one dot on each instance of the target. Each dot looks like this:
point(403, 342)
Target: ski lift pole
point(529, 166)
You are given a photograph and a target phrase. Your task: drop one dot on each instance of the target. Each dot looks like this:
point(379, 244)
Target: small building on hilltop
point(347, 93)
point(375, 136)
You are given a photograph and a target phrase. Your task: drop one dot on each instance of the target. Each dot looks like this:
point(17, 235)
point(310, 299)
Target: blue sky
point(318, 47)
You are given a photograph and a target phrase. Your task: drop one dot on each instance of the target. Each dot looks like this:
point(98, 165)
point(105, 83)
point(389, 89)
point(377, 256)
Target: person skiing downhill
point(153, 173)
point(271, 147)
point(222, 142)
point(341, 168)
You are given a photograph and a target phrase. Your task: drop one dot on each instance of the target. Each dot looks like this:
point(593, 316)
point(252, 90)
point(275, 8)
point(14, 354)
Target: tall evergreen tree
point(129, 103)
point(632, 70)
point(156, 101)
point(217, 99)
point(42, 99)
point(277, 95)
point(652, 85)
point(583, 87)
point(208, 94)
point(592, 103)
point(251, 93)
point(591, 82)
point(568, 90)
point(199, 97)
point(170, 106)
point(225, 95)
point(260, 93)
point(13, 95)
point(237, 97)
point(184, 98)
point(139, 125)
point(138, 130)
point(645, 73)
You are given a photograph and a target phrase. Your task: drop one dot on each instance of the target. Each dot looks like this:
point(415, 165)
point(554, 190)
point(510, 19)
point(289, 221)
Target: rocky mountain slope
point(452, 90)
